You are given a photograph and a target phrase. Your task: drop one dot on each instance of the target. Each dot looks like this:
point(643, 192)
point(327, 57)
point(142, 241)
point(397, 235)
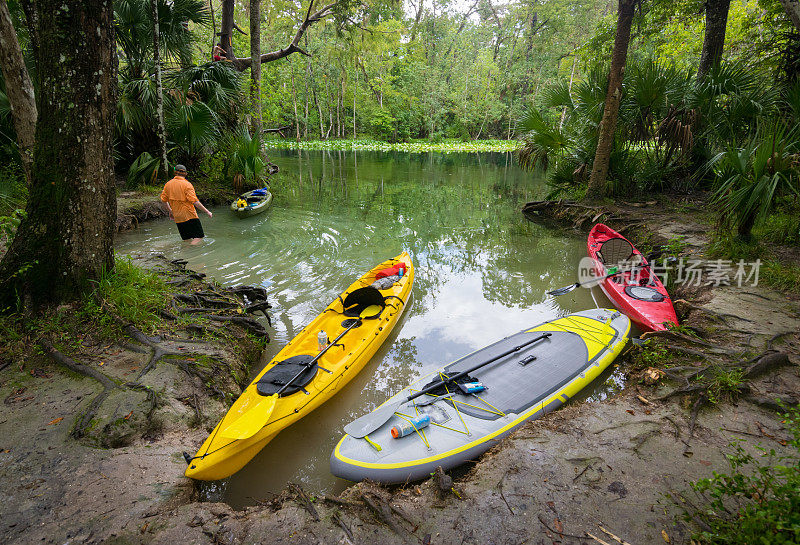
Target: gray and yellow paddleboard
point(522, 386)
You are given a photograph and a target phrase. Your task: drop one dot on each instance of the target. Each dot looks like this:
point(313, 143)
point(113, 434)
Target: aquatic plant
point(446, 146)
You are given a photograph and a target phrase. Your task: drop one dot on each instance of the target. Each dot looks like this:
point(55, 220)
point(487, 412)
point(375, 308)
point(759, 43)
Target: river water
point(482, 271)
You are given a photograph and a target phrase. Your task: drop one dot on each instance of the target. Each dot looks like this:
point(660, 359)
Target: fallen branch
point(562, 534)
point(303, 499)
point(597, 539)
point(612, 536)
point(337, 519)
point(384, 513)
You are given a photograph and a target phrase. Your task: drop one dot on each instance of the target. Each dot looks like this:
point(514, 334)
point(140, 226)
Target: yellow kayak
point(299, 379)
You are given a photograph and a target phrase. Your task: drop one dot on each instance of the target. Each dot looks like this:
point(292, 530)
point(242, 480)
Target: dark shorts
point(190, 229)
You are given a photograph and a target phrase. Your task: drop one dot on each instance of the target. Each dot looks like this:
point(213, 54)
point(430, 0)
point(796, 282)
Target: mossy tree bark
point(66, 240)
point(714, 37)
point(608, 124)
point(19, 89)
point(792, 8)
point(162, 133)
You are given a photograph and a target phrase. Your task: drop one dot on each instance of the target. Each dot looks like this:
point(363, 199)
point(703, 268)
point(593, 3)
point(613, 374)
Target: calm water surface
point(482, 271)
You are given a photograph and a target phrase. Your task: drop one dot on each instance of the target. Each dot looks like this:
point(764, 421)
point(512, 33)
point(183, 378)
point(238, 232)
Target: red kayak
point(638, 292)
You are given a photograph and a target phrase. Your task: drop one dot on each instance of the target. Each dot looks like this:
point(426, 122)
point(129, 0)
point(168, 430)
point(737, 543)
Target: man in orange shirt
point(181, 201)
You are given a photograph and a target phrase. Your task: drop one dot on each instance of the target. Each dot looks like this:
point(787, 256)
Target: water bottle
point(406, 428)
point(471, 387)
point(322, 339)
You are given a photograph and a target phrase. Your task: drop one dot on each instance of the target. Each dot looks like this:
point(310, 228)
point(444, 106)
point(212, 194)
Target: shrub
point(758, 501)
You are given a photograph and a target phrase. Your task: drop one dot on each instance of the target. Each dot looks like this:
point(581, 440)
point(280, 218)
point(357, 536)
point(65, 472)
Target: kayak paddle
point(257, 416)
point(363, 426)
point(594, 281)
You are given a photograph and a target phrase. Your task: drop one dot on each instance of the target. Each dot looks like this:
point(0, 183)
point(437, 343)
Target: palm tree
point(134, 26)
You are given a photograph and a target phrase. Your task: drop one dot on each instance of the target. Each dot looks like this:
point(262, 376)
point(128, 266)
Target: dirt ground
point(605, 472)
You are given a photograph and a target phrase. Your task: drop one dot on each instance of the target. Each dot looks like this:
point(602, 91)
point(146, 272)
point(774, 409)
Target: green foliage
point(384, 125)
point(781, 276)
point(651, 354)
point(132, 293)
point(722, 384)
point(758, 500)
point(442, 146)
point(13, 190)
point(245, 160)
point(750, 179)
point(725, 245)
point(192, 126)
point(143, 171)
point(9, 225)
point(133, 23)
point(781, 226)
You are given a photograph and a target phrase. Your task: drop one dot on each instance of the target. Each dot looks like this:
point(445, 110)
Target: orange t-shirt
point(180, 195)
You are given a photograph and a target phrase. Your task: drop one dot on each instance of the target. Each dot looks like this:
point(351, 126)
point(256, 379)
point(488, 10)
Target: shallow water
point(482, 271)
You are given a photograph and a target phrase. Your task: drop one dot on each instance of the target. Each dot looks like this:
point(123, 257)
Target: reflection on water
point(482, 271)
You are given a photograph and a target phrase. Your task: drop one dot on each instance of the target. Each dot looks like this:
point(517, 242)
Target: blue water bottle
point(406, 428)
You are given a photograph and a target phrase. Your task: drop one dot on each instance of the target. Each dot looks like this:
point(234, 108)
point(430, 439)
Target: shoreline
point(585, 469)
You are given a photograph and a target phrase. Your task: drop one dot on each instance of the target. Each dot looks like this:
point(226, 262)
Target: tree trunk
point(213, 27)
point(714, 39)
point(66, 240)
point(416, 21)
point(226, 28)
point(294, 103)
point(255, 66)
point(162, 133)
point(19, 90)
point(608, 124)
point(308, 79)
point(355, 88)
point(792, 8)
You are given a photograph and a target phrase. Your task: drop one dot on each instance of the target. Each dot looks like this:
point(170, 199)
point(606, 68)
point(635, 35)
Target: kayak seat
point(358, 300)
point(615, 251)
point(274, 379)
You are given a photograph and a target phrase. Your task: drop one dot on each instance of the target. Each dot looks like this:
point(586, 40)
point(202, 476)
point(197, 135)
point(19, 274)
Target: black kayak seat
point(357, 300)
point(275, 379)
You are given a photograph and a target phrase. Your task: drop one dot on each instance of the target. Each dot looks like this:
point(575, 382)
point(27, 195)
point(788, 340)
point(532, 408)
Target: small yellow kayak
point(309, 370)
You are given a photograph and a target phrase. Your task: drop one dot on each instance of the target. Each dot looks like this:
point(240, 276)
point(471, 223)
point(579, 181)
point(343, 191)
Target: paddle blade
point(363, 426)
point(562, 291)
point(253, 420)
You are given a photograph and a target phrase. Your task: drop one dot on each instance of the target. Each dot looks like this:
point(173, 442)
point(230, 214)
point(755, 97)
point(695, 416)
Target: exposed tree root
point(683, 305)
point(681, 337)
point(75, 366)
point(85, 419)
point(766, 362)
